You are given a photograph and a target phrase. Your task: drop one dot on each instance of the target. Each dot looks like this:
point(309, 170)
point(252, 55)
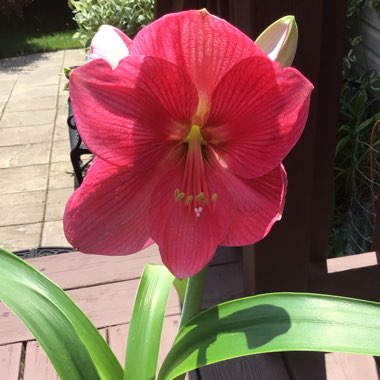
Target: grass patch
point(21, 42)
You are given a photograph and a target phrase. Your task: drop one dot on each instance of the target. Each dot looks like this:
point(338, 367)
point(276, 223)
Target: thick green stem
point(193, 300)
point(193, 297)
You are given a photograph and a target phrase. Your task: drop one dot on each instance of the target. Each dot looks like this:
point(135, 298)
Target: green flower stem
point(193, 296)
point(193, 300)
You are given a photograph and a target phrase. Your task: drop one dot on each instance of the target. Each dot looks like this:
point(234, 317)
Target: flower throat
point(194, 193)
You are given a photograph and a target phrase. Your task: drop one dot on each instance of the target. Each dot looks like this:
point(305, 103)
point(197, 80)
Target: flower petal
point(110, 44)
point(257, 115)
point(132, 115)
point(204, 45)
point(106, 214)
point(256, 205)
point(187, 242)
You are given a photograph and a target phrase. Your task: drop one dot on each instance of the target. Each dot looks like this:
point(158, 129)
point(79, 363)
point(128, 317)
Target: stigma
point(193, 193)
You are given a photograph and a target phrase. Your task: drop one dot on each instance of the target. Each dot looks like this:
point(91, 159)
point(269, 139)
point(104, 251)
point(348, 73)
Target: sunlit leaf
point(275, 322)
point(146, 324)
point(74, 346)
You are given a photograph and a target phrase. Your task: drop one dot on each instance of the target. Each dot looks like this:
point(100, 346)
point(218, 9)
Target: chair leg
point(77, 148)
point(75, 161)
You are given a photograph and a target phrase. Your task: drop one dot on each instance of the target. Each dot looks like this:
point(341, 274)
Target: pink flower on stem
point(189, 131)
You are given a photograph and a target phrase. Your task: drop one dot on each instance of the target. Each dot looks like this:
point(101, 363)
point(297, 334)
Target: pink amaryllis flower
point(189, 131)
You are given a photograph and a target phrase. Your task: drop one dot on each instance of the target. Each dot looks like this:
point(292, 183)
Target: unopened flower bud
point(280, 40)
point(108, 44)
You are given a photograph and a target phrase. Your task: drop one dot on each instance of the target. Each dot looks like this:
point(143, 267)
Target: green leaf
point(146, 324)
point(274, 322)
point(67, 71)
point(74, 346)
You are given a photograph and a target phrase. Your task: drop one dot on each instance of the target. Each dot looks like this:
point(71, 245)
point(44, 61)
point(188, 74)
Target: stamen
point(214, 197)
point(201, 198)
point(178, 195)
point(194, 187)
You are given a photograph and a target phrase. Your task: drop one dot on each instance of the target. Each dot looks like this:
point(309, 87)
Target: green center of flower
point(194, 192)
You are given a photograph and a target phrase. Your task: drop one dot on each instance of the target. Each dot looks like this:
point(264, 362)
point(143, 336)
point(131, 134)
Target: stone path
point(36, 176)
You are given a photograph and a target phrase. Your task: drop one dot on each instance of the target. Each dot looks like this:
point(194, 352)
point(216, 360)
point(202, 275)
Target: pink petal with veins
point(257, 115)
point(106, 214)
point(133, 115)
point(202, 44)
point(256, 204)
point(187, 242)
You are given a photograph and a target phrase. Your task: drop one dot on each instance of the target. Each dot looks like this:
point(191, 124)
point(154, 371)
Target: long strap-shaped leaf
point(74, 346)
point(275, 322)
point(146, 324)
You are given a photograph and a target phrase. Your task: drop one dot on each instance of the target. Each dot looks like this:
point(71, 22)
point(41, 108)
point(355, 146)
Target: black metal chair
point(42, 251)
point(78, 149)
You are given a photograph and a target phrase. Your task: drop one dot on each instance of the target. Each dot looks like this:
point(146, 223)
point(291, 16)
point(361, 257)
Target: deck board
point(118, 336)
point(351, 367)
point(10, 356)
point(344, 263)
point(104, 287)
point(109, 302)
point(76, 269)
point(342, 275)
point(37, 364)
point(105, 305)
point(331, 366)
point(257, 367)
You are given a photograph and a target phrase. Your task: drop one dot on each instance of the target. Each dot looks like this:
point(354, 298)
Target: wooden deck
point(104, 287)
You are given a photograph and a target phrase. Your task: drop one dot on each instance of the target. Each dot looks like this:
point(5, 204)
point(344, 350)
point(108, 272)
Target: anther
point(178, 195)
point(189, 199)
point(201, 198)
point(214, 197)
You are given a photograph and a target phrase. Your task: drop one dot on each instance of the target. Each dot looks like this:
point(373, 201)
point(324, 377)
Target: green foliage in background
point(127, 15)
point(359, 109)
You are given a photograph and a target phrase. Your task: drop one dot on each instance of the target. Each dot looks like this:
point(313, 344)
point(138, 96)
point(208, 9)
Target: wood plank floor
point(104, 287)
